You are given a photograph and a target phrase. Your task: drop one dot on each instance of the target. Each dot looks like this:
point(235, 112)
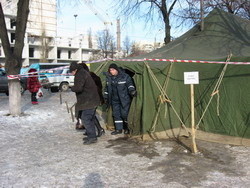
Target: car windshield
point(58, 71)
point(2, 72)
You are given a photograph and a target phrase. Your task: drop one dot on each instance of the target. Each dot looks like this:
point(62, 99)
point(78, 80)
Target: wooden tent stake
point(67, 106)
point(194, 149)
point(60, 94)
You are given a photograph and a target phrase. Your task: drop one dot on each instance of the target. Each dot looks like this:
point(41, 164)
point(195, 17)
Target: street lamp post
point(75, 15)
point(155, 45)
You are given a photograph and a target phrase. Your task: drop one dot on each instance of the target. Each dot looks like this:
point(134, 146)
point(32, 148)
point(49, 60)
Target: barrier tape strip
point(194, 61)
point(36, 74)
point(48, 70)
point(110, 59)
point(174, 60)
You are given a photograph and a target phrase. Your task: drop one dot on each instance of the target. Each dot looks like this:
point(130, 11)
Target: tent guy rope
point(215, 90)
point(165, 94)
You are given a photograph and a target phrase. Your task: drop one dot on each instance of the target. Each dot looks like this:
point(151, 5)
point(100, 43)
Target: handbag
point(39, 94)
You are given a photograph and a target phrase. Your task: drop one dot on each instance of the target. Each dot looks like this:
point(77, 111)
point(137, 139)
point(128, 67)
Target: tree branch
point(172, 6)
point(3, 34)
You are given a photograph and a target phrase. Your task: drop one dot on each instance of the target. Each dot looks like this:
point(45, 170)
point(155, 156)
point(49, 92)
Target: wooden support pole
point(202, 14)
point(67, 106)
point(194, 149)
point(71, 112)
point(72, 115)
point(60, 93)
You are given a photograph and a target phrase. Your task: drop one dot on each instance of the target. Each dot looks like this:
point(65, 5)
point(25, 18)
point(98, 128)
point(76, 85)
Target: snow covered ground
point(42, 149)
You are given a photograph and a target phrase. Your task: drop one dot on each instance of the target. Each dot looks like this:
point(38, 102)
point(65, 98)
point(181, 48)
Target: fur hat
point(73, 66)
point(85, 66)
point(113, 66)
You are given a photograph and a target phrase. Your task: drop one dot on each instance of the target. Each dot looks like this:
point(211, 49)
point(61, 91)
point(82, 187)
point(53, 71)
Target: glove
point(133, 93)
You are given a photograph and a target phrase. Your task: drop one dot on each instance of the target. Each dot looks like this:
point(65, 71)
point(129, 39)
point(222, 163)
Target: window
point(31, 40)
point(12, 23)
point(58, 54)
point(58, 71)
point(2, 72)
point(31, 52)
point(46, 53)
point(69, 54)
point(12, 37)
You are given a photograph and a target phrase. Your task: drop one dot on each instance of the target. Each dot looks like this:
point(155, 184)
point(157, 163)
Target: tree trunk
point(13, 58)
point(166, 14)
point(14, 87)
point(167, 38)
point(14, 97)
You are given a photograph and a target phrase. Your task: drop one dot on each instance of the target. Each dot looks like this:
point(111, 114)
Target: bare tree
point(95, 55)
point(237, 7)
point(127, 44)
point(112, 47)
point(44, 47)
point(246, 8)
point(149, 8)
point(13, 58)
point(106, 43)
point(136, 50)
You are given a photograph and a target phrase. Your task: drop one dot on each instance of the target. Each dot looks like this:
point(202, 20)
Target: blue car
point(4, 88)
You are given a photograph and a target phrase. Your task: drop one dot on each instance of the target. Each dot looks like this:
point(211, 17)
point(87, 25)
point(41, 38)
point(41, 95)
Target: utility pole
point(202, 14)
point(75, 15)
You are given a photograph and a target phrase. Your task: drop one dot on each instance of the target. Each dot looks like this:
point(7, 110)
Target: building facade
point(41, 43)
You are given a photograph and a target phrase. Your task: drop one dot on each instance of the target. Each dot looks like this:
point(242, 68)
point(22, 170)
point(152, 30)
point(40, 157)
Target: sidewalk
point(42, 149)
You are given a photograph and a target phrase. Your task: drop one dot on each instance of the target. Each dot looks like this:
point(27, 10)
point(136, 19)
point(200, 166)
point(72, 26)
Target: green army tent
point(222, 97)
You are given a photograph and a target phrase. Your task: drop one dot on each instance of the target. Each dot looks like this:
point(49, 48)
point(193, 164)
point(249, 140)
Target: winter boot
point(125, 127)
point(100, 130)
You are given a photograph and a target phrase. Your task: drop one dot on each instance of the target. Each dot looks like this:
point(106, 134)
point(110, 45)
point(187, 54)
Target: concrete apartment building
point(41, 43)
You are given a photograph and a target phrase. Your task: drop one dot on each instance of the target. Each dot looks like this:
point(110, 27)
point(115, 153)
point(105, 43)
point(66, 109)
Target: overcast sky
point(70, 25)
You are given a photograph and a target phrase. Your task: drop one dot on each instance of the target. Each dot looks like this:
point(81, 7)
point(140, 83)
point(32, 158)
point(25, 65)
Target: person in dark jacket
point(118, 93)
point(98, 82)
point(33, 85)
point(87, 99)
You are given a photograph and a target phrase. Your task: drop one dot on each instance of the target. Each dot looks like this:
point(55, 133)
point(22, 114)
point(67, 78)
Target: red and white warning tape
point(110, 59)
point(194, 61)
point(36, 74)
point(174, 60)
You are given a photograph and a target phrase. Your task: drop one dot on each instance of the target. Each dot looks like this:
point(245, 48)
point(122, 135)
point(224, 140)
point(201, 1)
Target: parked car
point(4, 88)
point(58, 80)
point(47, 67)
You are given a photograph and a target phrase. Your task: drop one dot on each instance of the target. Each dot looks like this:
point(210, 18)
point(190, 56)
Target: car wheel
point(22, 89)
point(64, 86)
point(54, 89)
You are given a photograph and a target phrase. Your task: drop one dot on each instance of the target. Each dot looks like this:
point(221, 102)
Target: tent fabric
point(223, 33)
point(229, 110)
